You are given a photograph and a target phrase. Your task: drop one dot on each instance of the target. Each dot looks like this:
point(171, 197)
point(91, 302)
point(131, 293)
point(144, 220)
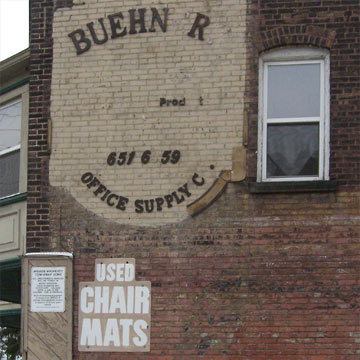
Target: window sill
point(293, 186)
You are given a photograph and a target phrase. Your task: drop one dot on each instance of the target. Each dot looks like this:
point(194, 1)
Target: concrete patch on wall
point(146, 104)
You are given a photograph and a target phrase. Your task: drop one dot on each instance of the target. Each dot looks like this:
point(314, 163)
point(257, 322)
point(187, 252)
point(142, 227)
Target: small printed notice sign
point(47, 289)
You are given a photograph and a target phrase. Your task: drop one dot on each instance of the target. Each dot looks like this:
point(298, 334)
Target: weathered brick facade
point(269, 275)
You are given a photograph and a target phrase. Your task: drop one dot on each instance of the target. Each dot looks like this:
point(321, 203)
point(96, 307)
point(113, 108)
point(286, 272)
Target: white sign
point(47, 289)
point(114, 310)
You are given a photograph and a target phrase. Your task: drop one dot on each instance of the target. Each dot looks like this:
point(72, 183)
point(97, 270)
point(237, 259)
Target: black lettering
point(197, 182)
point(108, 201)
point(78, 37)
point(121, 205)
point(182, 102)
point(184, 189)
point(175, 102)
point(115, 25)
point(162, 101)
point(140, 21)
point(156, 17)
point(105, 195)
point(200, 23)
point(159, 202)
point(93, 33)
point(139, 206)
point(169, 199)
point(100, 189)
point(148, 208)
point(94, 182)
point(87, 177)
point(178, 200)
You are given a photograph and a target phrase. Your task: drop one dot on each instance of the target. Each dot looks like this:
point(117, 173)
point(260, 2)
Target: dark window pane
point(9, 173)
point(292, 150)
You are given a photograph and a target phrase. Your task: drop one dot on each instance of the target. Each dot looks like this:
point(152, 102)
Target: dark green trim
point(9, 264)
point(10, 280)
point(10, 312)
point(10, 318)
point(14, 86)
point(13, 199)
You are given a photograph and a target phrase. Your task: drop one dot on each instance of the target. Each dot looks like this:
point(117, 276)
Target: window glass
point(10, 125)
point(293, 91)
point(10, 137)
point(9, 173)
point(292, 150)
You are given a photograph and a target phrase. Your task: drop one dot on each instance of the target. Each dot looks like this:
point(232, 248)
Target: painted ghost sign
point(146, 105)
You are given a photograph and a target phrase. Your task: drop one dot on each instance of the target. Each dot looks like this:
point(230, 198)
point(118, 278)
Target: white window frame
point(288, 56)
point(11, 96)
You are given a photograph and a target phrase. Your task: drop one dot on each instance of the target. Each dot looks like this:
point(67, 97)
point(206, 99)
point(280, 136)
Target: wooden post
point(46, 319)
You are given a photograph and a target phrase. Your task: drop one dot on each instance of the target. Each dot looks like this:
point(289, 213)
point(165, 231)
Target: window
point(13, 138)
point(10, 137)
point(294, 115)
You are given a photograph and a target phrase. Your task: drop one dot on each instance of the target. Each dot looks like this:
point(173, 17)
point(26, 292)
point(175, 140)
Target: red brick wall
point(39, 115)
point(255, 276)
point(330, 24)
point(268, 278)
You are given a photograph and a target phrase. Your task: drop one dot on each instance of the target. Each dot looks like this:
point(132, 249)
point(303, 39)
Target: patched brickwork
point(255, 276)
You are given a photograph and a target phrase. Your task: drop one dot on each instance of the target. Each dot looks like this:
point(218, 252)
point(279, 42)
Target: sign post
point(47, 306)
